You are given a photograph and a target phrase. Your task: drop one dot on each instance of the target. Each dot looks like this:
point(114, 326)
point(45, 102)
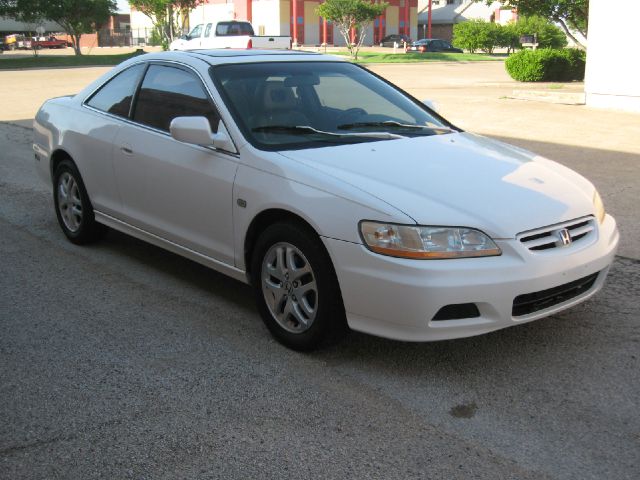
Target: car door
point(207, 36)
point(435, 46)
point(446, 46)
point(103, 114)
point(180, 192)
point(195, 40)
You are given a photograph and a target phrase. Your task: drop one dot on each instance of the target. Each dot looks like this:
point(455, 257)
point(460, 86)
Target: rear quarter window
point(115, 96)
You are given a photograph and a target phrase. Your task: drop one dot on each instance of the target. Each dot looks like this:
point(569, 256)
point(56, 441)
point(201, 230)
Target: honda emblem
point(565, 237)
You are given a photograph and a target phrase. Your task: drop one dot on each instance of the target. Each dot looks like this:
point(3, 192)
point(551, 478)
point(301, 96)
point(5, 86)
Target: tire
point(296, 287)
point(73, 207)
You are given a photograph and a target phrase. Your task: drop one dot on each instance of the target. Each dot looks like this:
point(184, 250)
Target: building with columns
point(276, 17)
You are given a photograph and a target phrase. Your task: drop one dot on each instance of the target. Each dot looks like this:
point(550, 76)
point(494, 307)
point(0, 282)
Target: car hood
point(459, 179)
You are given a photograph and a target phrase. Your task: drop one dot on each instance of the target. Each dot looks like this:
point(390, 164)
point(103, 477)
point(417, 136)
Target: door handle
point(126, 149)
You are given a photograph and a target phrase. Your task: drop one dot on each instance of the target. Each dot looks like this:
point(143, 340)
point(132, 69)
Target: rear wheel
point(73, 207)
point(296, 288)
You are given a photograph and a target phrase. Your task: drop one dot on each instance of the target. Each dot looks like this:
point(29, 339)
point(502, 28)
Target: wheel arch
point(58, 156)
point(262, 221)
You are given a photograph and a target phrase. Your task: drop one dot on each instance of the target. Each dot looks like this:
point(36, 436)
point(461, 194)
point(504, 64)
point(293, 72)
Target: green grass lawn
point(43, 61)
point(10, 63)
point(374, 57)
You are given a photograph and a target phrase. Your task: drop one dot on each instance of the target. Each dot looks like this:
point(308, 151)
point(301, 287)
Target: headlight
point(599, 207)
point(409, 241)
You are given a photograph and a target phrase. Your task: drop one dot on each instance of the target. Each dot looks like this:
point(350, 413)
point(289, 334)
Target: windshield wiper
point(306, 129)
point(395, 125)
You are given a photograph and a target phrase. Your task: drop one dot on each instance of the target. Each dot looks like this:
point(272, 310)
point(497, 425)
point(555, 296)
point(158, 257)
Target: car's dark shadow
point(191, 273)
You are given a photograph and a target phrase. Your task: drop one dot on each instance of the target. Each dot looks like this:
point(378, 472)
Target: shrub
point(477, 34)
point(546, 65)
point(577, 61)
point(549, 35)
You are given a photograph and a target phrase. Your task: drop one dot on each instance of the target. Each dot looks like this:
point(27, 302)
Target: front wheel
point(296, 287)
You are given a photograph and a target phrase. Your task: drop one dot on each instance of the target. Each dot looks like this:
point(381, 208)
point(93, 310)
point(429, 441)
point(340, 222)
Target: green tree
point(549, 36)
point(476, 35)
point(168, 16)
point(571, 15)
point(509, 37)
point(351, 14)
point(76, 17)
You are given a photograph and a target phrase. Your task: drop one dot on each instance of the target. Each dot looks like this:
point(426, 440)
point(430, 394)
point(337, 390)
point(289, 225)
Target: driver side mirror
point(197, 130)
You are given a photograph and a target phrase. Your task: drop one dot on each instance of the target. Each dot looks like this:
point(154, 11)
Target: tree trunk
point(569, 34)
point(75, 38)
point(346, 34)
point(171, 25)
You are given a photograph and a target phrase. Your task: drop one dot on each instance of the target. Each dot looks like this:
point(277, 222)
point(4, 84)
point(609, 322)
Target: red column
point(324, 31)
point(429, 21)
point(294, 8)
point(407, 30)
point(353, 35)
point(249, 10)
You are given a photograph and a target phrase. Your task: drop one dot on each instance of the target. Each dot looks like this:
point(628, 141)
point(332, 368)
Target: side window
point(207, 30)
point(245, 28)
point(222, 29)
point(115, 96)
point(169, 92)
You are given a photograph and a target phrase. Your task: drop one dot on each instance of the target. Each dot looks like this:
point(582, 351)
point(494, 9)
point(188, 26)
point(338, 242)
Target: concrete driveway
point(121, 360)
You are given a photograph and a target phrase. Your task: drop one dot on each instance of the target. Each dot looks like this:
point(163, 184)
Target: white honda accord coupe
point(341, 199)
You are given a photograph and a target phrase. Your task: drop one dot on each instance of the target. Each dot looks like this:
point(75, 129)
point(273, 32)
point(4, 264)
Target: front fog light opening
point(458, 311)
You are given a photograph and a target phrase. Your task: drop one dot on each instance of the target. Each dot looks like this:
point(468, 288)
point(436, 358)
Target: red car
point(51, 42)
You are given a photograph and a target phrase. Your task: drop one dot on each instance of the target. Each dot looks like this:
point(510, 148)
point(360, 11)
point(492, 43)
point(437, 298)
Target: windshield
point(291, 105)
point(195, 33)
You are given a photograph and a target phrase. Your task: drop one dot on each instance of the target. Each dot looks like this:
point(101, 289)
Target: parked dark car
point(389, 40)
point(432, 45)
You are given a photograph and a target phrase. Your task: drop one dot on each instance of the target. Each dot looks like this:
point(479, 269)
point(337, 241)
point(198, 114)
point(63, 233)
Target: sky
point(123, 6)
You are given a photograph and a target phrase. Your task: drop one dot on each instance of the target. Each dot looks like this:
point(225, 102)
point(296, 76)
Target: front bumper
point(398, 298)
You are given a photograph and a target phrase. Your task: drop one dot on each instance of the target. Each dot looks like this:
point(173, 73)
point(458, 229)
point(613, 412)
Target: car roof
point(230, 55)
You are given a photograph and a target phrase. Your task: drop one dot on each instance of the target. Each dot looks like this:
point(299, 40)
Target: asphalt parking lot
point(121, 360)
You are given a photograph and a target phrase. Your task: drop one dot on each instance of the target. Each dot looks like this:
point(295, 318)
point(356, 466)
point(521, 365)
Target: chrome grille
point(579, 231)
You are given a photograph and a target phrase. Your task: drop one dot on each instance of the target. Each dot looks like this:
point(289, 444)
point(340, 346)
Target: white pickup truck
point(230, 34)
